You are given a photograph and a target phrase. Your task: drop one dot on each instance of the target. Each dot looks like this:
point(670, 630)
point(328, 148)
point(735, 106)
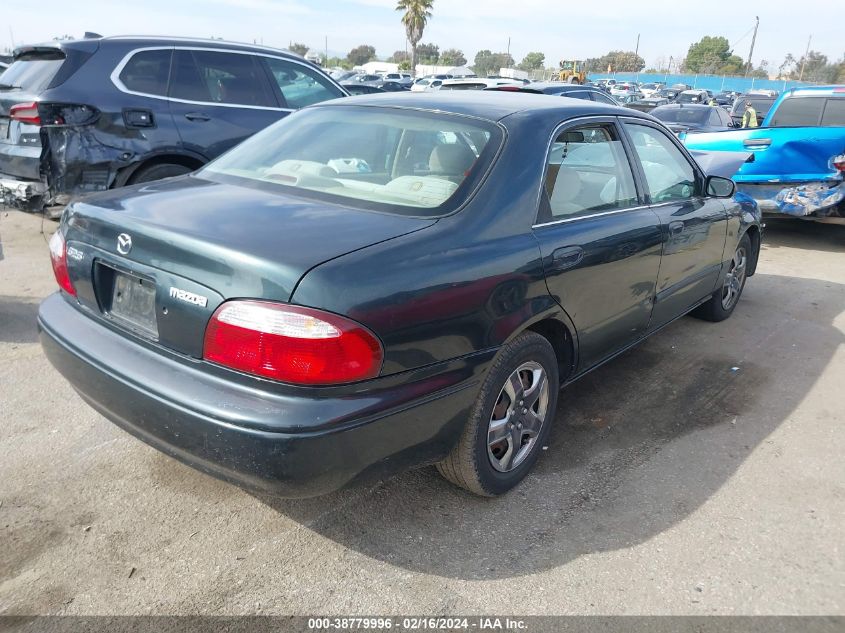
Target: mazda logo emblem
point(124, 244)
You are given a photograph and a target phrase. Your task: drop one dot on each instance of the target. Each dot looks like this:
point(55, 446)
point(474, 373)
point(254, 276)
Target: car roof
point(686, 106)
point(486, 104)
point(815, 91)
point(557, 85)
point(163, 40)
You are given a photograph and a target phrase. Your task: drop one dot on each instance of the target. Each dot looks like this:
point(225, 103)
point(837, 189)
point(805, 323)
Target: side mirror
point(718, 187)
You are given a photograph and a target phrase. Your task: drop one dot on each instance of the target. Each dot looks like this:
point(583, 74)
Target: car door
point(600, 244)
point(694, 226)
point(218, 98)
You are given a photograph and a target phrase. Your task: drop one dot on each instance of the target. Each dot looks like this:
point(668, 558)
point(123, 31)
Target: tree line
point(711, 55)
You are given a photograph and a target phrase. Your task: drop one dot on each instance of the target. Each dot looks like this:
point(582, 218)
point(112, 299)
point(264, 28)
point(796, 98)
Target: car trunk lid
point(195, 243)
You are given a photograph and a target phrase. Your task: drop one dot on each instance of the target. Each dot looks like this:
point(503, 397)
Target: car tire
point(722, 302)
point(484, 461)
point(157, 172)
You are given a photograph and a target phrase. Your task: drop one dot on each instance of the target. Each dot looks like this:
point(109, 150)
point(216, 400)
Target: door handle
point(566, 257)
point(676, 227)
point(197, 116)
point(757, 142)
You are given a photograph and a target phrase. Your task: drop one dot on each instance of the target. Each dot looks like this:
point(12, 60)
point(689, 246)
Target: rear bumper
point(293, 445)
point(818, 198)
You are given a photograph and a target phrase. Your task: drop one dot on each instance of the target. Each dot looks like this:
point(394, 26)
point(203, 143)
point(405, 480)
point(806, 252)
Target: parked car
point(427, 84)
point(647, 104)
point(561, 89)
point(403, 79)
point(343, 75)
point(87, 115)
point(682, 118)
point(724, 99)
point(231, 334)
point(799, 154)
point(670, 93)
point(650, 89)
point(761, 104)
point(693, 96)
point(357, 88)
point(478, 83)
point(621, 90)
point(365, 78)
point(628, 98)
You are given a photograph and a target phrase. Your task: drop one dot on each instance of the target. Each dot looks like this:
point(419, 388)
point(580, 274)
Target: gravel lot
point(673, 484)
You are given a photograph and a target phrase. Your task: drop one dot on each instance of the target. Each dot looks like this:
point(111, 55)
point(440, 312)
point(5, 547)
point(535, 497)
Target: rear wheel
point(722, 303)
point(510, 421)
point(157, 172)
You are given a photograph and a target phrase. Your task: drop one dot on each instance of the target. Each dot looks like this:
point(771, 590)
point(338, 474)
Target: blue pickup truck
point(798, 155)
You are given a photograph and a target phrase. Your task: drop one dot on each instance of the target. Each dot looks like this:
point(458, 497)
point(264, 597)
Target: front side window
point(218, 77)
point(301, 86)
point(147, 72)
point(798, 111)
point(384, 159)
point(588, 172)
point(668, 173)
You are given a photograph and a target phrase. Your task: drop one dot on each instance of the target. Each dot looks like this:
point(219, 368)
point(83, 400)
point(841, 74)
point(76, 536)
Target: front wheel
point(510, 420)
point(722, 303)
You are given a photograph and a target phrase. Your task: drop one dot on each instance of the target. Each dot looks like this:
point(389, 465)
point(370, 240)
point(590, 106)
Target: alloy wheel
point(734, 280)
point(518, 416)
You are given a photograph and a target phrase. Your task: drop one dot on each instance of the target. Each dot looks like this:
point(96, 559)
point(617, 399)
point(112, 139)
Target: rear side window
point(218, 77)
point(34, 71)
point(147, 72)
point(834, 113)
point(577, 94)
point(798, 111)
point(588, 172)
point(301, 86)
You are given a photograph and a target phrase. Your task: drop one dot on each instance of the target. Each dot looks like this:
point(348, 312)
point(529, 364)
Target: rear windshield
point(32, 72)
point(387, 159)
point(681, 115)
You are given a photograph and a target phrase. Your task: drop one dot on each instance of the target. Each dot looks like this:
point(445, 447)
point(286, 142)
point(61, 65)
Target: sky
point(561, 29)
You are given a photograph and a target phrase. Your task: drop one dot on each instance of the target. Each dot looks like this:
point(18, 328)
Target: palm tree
point(417, 13)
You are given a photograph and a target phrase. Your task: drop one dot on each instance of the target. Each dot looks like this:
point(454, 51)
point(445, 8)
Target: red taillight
point(25, 113)
point(291, 344)
point(58, 257)
point(509, 88)
point(839, 162)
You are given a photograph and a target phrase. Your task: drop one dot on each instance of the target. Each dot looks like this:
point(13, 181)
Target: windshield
point(681, 115)
point(33, 73)
point(383, 159)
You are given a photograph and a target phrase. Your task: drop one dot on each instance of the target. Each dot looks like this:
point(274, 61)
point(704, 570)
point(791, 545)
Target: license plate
point(134, 302)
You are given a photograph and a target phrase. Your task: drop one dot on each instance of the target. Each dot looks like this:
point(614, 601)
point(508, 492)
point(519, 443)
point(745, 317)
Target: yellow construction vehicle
point(572, 72)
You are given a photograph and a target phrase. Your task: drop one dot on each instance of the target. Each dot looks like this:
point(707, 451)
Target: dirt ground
point(700, 473)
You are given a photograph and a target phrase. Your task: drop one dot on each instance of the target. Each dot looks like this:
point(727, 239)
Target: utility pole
point(509, 51)
point(753, 39)
point(804, 61)
point(636, 53)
